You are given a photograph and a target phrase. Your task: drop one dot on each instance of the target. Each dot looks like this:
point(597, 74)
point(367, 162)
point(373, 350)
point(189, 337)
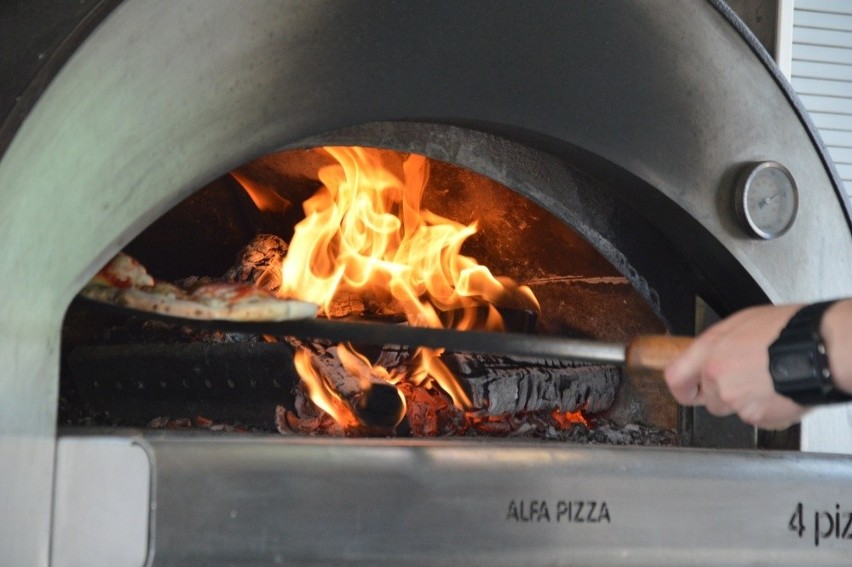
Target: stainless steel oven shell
point(668, 98)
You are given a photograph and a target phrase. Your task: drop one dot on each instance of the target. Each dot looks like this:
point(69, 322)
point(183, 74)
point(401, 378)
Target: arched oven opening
point(487, 208)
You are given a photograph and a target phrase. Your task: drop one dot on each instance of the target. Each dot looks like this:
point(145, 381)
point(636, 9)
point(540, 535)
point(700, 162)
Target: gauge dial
point(767, 200)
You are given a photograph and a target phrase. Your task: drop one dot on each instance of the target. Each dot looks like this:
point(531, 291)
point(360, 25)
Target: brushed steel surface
point(101, 503)
point(165, 96)
point(300, 501)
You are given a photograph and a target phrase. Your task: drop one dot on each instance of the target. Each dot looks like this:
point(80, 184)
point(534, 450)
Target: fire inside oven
point(368, 234)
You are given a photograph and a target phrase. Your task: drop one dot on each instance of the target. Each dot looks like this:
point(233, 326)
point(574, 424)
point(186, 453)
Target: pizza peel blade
point(644, 355)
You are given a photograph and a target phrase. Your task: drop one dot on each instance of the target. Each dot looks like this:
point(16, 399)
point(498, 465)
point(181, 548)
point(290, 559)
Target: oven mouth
point(590, 288)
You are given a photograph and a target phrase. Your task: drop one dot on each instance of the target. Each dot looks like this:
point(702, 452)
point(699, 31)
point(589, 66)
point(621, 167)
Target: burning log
point(259, 263)
point(499, 387)
point(372, 401)
point(506, 385)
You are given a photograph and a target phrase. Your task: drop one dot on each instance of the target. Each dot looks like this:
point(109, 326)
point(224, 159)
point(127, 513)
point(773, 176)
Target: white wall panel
point(822, 74)
point(819, 70)
point(840, 124)
point(826, 6)
point(816, 19)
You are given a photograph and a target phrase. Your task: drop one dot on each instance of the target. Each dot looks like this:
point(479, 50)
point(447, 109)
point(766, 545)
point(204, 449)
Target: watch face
point(767, 200)
point(792, 367)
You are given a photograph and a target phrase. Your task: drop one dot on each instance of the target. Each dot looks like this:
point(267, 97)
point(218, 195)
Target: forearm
point(836, 330)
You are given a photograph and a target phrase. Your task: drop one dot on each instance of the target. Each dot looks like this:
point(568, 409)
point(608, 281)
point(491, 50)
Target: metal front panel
point(266, 501)
point(101, 503)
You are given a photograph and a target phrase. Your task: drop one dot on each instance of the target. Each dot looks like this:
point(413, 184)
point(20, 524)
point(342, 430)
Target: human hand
point(726, 369)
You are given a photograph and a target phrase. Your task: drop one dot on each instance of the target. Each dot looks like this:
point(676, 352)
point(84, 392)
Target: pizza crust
point(121, 283)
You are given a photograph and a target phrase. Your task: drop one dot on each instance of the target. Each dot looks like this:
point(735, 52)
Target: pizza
point(124, 282)
point(123, 271)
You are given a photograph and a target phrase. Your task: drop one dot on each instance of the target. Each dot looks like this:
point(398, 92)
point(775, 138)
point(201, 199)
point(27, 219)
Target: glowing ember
point(569, 418)
point(365, 233)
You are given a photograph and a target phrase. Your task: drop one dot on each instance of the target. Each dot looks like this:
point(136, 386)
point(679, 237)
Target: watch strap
point(798, 361)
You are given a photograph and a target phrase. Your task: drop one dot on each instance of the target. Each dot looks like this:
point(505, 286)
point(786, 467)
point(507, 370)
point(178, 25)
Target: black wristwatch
point(798, 362)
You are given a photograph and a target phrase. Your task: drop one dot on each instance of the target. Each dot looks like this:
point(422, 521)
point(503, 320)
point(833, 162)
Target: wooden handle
point(648, 355)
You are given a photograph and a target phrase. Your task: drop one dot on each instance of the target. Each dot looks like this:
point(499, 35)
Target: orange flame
point(264, 197)
point(321, 392)
point(355, 364)
point(365, 232)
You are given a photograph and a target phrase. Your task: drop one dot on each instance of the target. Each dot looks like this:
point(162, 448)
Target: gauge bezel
point(744, 213)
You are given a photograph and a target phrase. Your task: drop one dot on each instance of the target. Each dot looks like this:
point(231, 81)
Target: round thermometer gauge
point(767, 200)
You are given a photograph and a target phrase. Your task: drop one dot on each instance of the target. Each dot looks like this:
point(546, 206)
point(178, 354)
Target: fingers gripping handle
point(648, 355)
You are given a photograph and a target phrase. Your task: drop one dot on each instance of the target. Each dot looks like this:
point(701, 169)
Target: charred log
point(375, 402)
point(259, 263)
point(506, 385)
point(497, 385)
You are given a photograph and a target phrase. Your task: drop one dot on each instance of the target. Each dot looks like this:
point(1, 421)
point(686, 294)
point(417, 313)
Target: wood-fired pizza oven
point(625, 125)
